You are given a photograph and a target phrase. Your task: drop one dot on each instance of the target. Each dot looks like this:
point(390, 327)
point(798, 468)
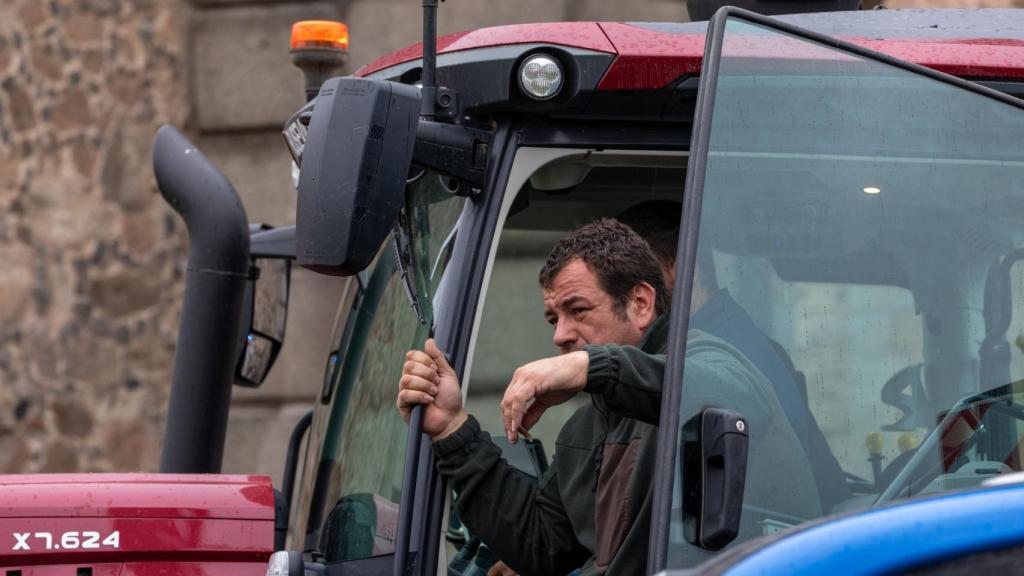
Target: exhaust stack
point(209, 338)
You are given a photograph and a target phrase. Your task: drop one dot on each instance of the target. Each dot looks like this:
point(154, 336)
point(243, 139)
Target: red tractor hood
point(134, 524)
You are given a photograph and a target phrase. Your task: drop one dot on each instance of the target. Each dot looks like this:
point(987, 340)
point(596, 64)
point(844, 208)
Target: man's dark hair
point(616, 255)
point(657, 222)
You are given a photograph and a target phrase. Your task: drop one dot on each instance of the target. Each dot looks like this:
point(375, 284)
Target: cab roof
point(983, 44)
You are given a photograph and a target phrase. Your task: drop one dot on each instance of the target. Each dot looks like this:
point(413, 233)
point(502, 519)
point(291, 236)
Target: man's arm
point(624, 379)
point(523, 524)
point(629, 380)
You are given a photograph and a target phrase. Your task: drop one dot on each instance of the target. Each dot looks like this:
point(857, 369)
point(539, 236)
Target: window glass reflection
point(861, 225)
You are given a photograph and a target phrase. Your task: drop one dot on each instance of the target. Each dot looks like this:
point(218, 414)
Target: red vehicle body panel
point(213, 524)
point(650, 59)
point(155, 569)
point(587, 35)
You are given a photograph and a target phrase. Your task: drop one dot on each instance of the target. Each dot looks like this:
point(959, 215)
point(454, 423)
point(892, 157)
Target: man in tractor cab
point(602, 288)
point(713, 310)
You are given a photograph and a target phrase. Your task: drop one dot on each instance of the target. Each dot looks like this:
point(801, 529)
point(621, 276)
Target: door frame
point(667, 453)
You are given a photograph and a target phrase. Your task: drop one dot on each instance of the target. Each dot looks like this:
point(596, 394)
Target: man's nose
point(565, 334)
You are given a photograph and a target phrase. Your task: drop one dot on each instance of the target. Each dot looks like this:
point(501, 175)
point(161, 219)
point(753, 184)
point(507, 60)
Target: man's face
point(582, 313)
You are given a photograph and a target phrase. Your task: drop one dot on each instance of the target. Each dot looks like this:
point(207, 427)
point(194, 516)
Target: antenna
point(437, 101)
point(429, 76)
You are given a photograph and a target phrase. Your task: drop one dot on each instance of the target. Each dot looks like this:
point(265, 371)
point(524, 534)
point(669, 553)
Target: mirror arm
point(452, 149)
point(273, 243)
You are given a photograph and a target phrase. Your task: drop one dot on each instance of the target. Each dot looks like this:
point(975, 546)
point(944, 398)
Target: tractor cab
point(850, 193)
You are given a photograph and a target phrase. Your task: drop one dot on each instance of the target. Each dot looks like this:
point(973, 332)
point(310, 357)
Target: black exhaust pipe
point(209, 339)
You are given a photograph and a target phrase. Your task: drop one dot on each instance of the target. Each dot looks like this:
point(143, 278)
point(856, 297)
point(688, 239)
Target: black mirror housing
point(355, 163)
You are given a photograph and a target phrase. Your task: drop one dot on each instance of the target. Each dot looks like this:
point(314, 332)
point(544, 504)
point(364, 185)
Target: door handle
point(714, 476)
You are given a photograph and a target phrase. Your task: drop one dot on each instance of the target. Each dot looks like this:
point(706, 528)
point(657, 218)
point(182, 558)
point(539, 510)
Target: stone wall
point(92, 259)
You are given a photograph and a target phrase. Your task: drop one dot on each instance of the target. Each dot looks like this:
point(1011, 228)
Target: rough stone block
point(220, 3)
point(259, 167)
point(15, 286)
point(298, 372)
point(242, 74)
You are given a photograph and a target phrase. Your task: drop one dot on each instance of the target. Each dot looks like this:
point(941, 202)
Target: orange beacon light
point(320, 49)
point(323, 34)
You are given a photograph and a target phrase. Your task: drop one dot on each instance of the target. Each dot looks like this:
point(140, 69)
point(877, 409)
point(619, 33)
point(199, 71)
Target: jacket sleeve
point(523, 523)
point(627, 379)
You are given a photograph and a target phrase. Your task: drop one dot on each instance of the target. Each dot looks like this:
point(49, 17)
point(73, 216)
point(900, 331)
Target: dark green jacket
point(593, 507)
point(780, 482)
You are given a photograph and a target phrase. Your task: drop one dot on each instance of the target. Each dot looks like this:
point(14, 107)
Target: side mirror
point(355, 161)
point(264, 319)
point(714, 459)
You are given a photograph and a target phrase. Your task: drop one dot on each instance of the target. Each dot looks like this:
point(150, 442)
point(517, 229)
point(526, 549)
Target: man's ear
point(641, 300)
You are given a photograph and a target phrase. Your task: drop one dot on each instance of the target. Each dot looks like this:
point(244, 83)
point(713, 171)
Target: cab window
point(513, 332)
point(557, 198)
point(864, 254)
point(560, 191)
point(354, 508)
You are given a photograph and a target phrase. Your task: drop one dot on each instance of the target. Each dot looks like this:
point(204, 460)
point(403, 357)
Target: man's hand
point(428, 380)
point(537, 386)
point(500, 569)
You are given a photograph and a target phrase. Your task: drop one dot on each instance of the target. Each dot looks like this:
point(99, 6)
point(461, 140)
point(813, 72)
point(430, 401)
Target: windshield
point(859, 226)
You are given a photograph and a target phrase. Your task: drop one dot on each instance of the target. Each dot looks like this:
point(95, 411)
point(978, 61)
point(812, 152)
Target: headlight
point(541, 76)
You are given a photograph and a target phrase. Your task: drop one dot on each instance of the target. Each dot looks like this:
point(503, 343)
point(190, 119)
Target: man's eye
point(579, 311)
point(551, 321)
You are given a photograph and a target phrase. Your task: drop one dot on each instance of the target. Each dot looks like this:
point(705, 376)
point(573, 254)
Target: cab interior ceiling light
point(872, 190)
point(541, 76)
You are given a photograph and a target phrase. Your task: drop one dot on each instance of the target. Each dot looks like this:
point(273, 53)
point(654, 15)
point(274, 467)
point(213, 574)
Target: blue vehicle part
point(892, 539)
